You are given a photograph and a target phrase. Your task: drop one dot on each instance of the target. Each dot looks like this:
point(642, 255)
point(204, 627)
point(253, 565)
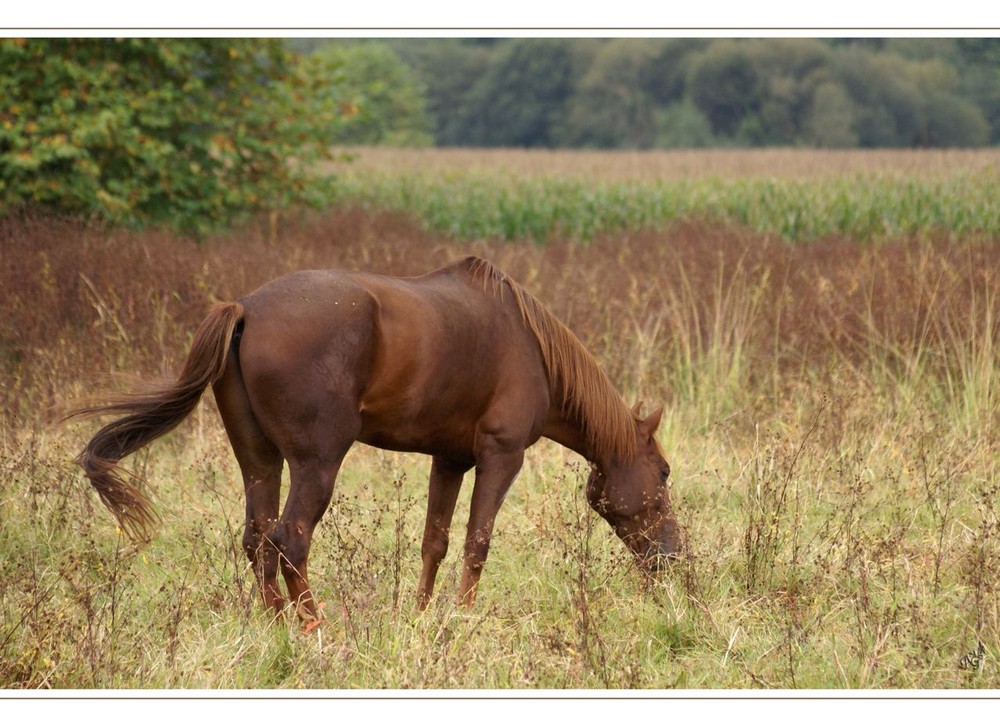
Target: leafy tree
point(980, 78)
point(899, 92)
point(887, 100)
point(789, 71)
point(903, 102)
point(923, 49)
point(447, 69)
point(613, 106)
point(637, 92)
point(725, 86)
point(387, 104)
point(682, 126)
point(188, 132)
point(665, 73)
point(521, 96)
point(831, 118)
point(951, 121)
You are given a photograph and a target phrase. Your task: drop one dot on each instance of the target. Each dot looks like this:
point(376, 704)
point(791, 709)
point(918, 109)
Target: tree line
point(681, 92)
point(198, 133)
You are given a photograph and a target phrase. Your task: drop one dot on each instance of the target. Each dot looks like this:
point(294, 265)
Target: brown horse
point(461, 364)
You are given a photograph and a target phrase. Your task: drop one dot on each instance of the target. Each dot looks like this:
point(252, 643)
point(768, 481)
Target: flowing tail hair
point(149, 416)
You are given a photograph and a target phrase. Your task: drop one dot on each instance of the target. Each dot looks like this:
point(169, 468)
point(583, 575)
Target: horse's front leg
point(446, 481)
point(495, 471)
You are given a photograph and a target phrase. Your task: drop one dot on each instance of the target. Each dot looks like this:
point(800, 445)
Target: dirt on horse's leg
point(263, 555)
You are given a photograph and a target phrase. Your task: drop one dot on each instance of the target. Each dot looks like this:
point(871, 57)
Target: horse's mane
point(588, 397)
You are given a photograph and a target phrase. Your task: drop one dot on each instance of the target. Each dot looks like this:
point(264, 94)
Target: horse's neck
point(560, 429)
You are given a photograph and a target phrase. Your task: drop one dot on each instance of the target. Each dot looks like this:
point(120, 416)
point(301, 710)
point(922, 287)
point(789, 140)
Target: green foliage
point(518, 100)
point(612, 93)
point(682, 126)
point(192, 133)
point(387, 104)
point(831, 118)
point(447, 69)
point(725, 86)
point(909, 103)
point(492, 204)
point(789, 70)
point(613, 106)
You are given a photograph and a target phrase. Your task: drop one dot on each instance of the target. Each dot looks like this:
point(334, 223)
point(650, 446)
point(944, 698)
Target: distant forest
point(628, 93)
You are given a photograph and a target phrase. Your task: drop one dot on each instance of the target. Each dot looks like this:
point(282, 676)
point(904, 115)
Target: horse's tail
point(151, 415)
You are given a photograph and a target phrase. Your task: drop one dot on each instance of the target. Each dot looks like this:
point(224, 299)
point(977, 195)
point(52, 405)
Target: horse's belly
point(455, 440)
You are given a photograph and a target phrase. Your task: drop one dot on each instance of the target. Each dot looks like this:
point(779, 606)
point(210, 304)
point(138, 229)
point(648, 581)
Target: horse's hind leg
point(314, 456)
point(308, 498)
point(260, 462)
point(262, 484)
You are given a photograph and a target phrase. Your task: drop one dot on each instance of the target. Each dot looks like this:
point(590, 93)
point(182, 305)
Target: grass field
point(520, 195)
point(831, 423)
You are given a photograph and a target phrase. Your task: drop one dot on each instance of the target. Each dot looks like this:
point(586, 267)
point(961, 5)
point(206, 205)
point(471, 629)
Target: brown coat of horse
point(461, 364)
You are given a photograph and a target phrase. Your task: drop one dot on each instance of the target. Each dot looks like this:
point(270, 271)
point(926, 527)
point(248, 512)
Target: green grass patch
point(487, 204)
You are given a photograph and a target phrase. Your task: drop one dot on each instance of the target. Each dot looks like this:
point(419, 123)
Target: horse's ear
point(636, 409)
point(649, 425)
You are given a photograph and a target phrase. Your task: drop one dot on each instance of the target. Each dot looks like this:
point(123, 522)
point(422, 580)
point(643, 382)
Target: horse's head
point(634, 498)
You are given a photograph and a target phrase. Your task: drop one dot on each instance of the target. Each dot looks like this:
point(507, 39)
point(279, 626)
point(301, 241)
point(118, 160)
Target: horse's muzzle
point(659, 559)
point(664, 552)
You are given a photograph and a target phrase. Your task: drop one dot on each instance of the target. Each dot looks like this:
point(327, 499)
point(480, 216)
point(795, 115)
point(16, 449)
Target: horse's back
point(423, 360)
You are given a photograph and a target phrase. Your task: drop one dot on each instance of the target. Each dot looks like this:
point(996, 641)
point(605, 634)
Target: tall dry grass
point(677, 164)
point(692, 305)
point(831, 424)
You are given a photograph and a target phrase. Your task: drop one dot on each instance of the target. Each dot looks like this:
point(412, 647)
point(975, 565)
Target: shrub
point(191, 133)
